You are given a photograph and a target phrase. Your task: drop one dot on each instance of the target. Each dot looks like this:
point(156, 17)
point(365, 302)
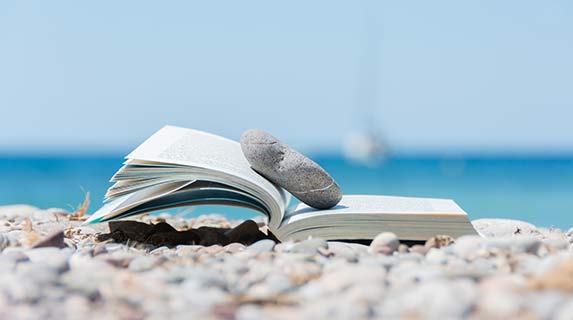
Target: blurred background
point(465, 100)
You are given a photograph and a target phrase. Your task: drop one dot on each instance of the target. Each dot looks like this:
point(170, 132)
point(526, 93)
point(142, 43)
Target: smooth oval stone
point(385, 242)
point(289, 169)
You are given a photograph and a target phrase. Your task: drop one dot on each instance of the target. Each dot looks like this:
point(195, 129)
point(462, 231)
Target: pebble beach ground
point(515, 271)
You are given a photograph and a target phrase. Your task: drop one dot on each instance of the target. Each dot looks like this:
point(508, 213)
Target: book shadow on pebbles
point(163, 234)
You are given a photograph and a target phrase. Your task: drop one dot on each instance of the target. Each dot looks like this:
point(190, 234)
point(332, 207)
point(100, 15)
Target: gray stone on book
point(289, 169)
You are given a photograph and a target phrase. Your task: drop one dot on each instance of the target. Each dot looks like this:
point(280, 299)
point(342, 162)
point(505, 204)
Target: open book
point(180, 167)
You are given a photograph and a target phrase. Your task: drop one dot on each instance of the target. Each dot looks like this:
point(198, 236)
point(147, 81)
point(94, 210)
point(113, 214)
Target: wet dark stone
point(163, 234)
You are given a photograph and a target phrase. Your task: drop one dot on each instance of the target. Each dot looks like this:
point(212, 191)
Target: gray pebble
point(162, 251)
point(143, 263)
point(436, 256)
point(432, 300)
point(114, 247)
point(37, 272)
point(439, 241)
point(343, 250)
point(274, 284)
point(234, 247)
point(385, 242)
point(496, 228)
point(509, 275)
point(565, 311)
point(309, 246)
point(16, 256)
point(469, 247)
point(44, 216)
point(515, 245)
point(284, 246)
point(528, 245)
point(419, 249)
point(360, 248)
point(265, 245)
point(87, 276)
point(249, 312)
point(17, 237)
point(50, 256)
point(4, 241)
point(299, 175)
point(546, 303)
point(560, 244)
point(17, 212)
point(29, 282)
point(186, 250)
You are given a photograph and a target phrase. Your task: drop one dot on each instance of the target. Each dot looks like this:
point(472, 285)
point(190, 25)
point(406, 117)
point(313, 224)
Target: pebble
point(4, 241)
point(431, 300)
point(469, 247)
point(55, 239)
point(565, 311)
point(86, 276)
point(17, 212)
point(310, 246)
point(144, 263)
point(289, 169)
point(186, 250)
point(517, 245)
point(53, 257)
point(527, 245)
point(385, 242)
point(358, 247)
point(546, 304)
point(38, 273)
point(29, 283)
point(44, 216)
point(235, 247)
point(557, 276)
point(275, 283)
point(16, 256)
point(558, 244)
point(420, 249)
point(439, 241)
point(343, 250)
point(99, 249)
point(402, 248)
point(498, 228)
point(262, 246)
point(503, 276)
point(500, 304)
point(435, 256)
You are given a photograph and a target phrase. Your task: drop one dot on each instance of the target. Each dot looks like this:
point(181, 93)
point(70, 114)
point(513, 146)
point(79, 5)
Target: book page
point(195, 148)
point(181, 146)
point(373, 204)
point(365, 216)
point(126, 202)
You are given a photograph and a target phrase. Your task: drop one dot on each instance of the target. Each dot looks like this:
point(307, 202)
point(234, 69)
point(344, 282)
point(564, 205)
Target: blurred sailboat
point(367, 145)
point(364, 147)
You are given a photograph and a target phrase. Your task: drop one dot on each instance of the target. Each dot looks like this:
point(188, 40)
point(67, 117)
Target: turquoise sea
point(538, 190)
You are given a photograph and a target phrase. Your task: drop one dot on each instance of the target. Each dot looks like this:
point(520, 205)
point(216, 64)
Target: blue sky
point(475, 76)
